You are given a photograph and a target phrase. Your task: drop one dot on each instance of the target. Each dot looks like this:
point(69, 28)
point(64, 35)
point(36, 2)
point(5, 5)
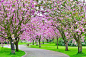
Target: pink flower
point(82, 29)
point(57, 1)
point(31, 1)
point(71, 0)
point(1, 0)
point(73, 9)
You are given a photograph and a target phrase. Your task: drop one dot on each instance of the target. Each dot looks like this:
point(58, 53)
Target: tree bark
point(16, 46)
point(47, 40)
point(50, 41)
point(79, 45)
point(39, 43)
point(53, 40)
point(43, 41)
point(36, 43)
point(66, 46)
point(33, 42)
point(16, 43)
point(65, 40)
point(12, 46)
point(66, 43)
point(57, 42)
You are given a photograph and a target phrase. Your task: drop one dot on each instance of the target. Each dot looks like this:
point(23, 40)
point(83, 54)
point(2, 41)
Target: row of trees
point(39, 20)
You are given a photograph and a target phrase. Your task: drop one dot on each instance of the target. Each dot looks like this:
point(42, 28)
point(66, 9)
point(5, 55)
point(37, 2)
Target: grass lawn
point(23, 43)
point(72, 50)
point(5, 52)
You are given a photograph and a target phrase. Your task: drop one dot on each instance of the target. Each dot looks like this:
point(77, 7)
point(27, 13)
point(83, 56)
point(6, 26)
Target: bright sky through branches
point(82, 0)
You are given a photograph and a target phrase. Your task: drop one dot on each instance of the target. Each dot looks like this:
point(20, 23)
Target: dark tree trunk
point(65, 40)
point(79, 48)
point(33, 42)
point(53, 40)
point(47, 40)
point(39, 43)
point(79, 45)
point(79, 42)
point(66, 46)
point(17, 46)
point(16, 43)
point(12, 46)
point(57, 42)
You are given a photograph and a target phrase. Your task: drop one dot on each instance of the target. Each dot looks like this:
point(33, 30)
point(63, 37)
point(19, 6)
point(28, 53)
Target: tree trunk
point(47, 40)
point(50, 41)
point(43, 41)
point(33, 42)
point(39, 43)
point(16, 43)
point(66, 45)
point(36, 43)
point(57, 42)
point(2, 45)
point(12, 47)
point(17, 46)
point(79, 43)
point(64, 38)
point(53, 40)
point(79, 46)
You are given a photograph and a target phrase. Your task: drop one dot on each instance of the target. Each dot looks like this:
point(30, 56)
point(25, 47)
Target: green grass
point(72, 50)
point(6, 52)
point(22, 43)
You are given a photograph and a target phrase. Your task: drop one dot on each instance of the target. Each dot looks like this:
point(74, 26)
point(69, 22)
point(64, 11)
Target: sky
point(82, 0)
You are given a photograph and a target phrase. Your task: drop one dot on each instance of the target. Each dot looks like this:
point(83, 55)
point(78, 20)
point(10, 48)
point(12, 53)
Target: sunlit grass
point(22, 43)
point(6, 52)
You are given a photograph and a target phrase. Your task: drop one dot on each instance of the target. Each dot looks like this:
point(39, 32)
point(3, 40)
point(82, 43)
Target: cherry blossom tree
point(69, 17)
point(13, 15)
